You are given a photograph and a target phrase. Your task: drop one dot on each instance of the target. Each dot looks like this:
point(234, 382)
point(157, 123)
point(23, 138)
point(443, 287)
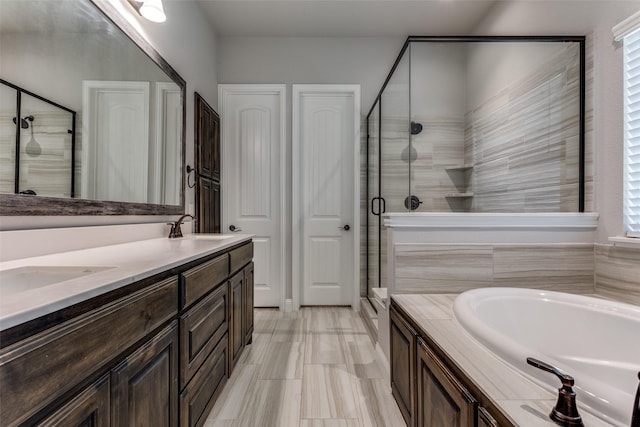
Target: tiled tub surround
point(446, 268)
point(617, 273)
point(130, 262)
point(522, 401)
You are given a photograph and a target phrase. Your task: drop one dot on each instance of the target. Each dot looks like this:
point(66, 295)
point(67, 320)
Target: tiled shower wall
point(524, 141)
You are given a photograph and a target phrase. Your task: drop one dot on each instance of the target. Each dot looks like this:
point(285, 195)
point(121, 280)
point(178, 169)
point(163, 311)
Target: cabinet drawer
point(241, 256)
point(45, 366)
point(199, 280)
point(201, 393)
point(200, 330)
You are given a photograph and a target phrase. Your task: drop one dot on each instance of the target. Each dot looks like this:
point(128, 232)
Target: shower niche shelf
point(461, 178)
point(458, 195)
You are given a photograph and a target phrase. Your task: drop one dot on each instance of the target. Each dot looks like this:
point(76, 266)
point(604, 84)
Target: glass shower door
point(375, 206)
point(394, 140)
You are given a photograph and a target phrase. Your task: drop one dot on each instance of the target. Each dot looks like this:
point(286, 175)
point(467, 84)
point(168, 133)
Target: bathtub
point(594, 340)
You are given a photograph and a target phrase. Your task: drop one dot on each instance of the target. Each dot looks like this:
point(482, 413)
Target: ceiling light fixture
point(149, 9)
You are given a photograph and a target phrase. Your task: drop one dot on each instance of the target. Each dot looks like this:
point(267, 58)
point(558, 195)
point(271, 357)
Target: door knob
point(234, 228)
point(345, 228)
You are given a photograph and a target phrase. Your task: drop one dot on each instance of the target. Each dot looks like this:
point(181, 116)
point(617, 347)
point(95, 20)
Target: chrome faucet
point(175, 226)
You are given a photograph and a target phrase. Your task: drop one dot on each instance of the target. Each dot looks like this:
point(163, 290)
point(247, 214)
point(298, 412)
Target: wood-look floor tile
point(327, 392)
point(272, 403)
point(376, 406)
point(313, 368)
point(283, 360)
point(330, 423)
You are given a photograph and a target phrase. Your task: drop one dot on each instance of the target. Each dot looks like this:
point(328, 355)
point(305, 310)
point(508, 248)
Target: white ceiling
point(345, 18)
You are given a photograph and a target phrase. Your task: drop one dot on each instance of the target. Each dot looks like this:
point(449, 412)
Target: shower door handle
point(381, 203)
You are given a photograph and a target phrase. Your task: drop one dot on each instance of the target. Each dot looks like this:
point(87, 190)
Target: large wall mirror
point(91, 117)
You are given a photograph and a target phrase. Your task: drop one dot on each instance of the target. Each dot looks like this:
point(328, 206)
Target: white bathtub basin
point(594, 340)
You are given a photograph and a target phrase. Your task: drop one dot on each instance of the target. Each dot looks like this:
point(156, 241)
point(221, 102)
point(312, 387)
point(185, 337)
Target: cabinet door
point(403, 350)
point(247, 305)
point(208, 206)
point(90, 408)
point(207, 139)
point(236, 341)
point(144, 386)
point(442, 400)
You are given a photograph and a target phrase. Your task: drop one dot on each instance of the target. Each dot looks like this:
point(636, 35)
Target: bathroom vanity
point(441, 376)
point(151, 340)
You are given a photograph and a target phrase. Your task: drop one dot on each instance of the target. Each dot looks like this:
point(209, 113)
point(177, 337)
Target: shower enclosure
point(476, 124)
point(38, 145)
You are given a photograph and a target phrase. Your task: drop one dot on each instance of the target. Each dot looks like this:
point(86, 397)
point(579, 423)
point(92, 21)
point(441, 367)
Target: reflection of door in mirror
point(123, 112)
point(207, 151)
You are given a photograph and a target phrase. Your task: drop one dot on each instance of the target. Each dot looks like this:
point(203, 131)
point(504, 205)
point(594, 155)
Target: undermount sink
point(33, 277)
point(205, 236)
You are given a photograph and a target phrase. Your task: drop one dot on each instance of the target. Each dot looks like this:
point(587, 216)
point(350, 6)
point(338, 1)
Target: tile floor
point(312, 368)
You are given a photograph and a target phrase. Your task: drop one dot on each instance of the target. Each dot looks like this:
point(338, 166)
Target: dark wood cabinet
point(144, 386)
point(236, 337)
point(207, 139)
point(247, 304)
point(201, 328)
point(90, 408)
point(403, 353)
point(207, 167)
point(157, 352)
point(199, 396)
point(429, 388)
point(209, 206)
point(441, 399)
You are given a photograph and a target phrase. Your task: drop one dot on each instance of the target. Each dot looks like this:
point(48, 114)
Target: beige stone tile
point(327, 392)
point(328, 347)
point(618, 273)
point(442, 268)
point(567, 268)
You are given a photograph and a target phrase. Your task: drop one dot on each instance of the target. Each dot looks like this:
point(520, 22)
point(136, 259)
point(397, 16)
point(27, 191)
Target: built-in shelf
point(462, 168)
point(459, 195)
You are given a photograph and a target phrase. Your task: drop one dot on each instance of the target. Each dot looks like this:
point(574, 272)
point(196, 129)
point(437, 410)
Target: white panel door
point(167, 177)
point(326, 132)
point(253, 134)
point(115, 148)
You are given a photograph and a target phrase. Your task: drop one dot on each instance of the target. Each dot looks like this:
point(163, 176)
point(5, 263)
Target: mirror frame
point(24, 205)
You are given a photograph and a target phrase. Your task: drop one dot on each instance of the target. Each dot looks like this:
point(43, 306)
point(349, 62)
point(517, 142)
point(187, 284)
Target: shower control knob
point(345, 228)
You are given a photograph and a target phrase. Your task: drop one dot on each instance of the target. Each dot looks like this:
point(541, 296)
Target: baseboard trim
point(288, 305)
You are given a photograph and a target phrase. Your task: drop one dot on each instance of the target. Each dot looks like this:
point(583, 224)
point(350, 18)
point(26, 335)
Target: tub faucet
point(175, 226)
point(635, 420)
point(565, 413)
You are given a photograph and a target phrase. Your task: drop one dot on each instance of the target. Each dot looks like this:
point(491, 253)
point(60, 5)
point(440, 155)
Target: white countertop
point(131, 262)
point(521, 400)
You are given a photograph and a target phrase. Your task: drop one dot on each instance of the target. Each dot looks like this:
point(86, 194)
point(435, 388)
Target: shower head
point(24, 122)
